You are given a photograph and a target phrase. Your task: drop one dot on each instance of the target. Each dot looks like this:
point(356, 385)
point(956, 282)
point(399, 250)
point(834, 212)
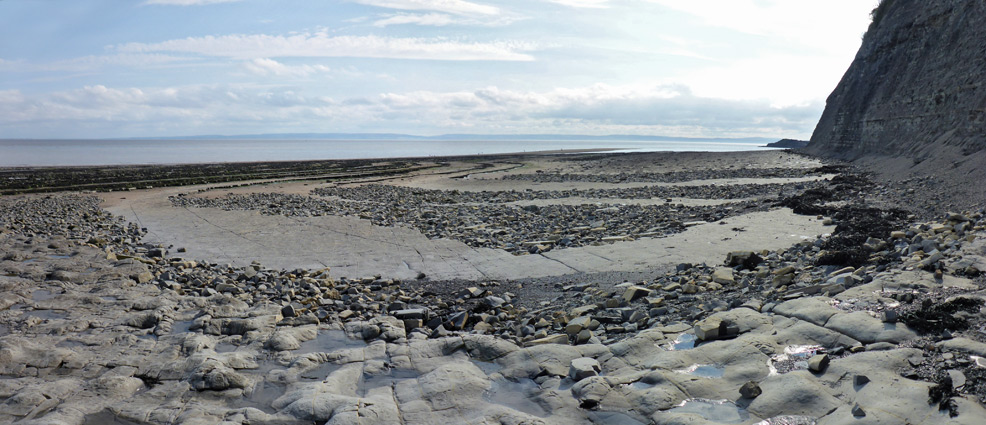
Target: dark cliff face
point(916, 88)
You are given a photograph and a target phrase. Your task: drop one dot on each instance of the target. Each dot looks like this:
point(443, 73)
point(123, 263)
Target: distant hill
point(788, 144)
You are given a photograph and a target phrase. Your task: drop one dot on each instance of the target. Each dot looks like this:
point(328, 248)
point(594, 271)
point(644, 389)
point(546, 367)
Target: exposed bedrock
point(916, 86)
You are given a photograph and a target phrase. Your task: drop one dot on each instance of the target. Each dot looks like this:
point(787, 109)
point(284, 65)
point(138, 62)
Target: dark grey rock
point(859, 380)
point(858, 411)
point(583, 367)
point(818, 363)
point(750, 390)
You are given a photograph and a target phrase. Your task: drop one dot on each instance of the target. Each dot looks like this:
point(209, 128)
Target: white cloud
point(88, 63)
point(457, 7)
point(783, 80)
point(582, 3)
point(441, 20)
point(596, 109)
point(809, 23)
point(187, 2)
point(95, 63)
point(320, 44)
point(429, 19)
point(269, 67)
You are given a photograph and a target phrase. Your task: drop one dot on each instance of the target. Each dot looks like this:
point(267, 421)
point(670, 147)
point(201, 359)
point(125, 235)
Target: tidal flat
point(743, 287)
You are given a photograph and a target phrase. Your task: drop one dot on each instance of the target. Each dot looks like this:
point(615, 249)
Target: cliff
point(916, 87)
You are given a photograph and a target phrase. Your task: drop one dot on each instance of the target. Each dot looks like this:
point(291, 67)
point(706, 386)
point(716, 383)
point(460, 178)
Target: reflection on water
point(105, 417)
point(612, 418)
point(130, 152)
point(328, 341)
point(683, 342)
point(717, 411)
point(788, 420)
point(704, 371)
point(515, 395)
point(42, 295)
point(370, 382)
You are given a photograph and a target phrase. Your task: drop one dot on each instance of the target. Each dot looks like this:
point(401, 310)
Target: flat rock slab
point(867, 329)
point(965, 345)
point(354, 247)
point(815, 310)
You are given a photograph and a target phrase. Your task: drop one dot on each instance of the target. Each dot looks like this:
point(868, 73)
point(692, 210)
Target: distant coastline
point(450, 137)
point(99, 152)
point(788, 144)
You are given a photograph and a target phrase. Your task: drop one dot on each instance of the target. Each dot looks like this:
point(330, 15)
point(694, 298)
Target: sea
point(89, 152)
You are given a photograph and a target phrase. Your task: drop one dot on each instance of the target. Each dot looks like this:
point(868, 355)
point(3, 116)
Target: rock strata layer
point(916, 85)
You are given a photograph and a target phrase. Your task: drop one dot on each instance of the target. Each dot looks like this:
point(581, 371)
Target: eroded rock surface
point(97, 326)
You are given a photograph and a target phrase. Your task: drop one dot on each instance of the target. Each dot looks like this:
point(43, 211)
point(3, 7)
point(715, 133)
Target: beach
point(763, 287)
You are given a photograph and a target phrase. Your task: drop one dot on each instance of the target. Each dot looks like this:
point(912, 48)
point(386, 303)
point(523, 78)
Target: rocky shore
point(488, 219)
point(881, 321)
point(673, 176)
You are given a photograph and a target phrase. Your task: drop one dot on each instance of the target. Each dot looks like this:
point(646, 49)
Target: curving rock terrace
point(671, 176)
point(520, 230)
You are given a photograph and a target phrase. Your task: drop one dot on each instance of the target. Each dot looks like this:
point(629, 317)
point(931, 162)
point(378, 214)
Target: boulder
point(634, 293)
point(750, 390)
point(583, 367)
point(708, 329)
point(747, 259)
point(213, 375)
point(818, 363)
point(723, 276)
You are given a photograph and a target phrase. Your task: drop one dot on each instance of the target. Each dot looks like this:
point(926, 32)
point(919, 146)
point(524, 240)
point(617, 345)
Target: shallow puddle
point(612, 418)
point(47, 314)
point(788, 420)
point(802, 351)
point(704, 371)
point(181, 326)
point(59, 257)
point(105, 417)
point(367, 383)
point(328, 341)
point(717, 411)
point(683, 342)
point(516, 395)
point(264, 368)
point(795, 357)
point(225, 347)
point(71, 343)
point(320, 372)
point(43, 295)
point(263, 396)
point(488, 368)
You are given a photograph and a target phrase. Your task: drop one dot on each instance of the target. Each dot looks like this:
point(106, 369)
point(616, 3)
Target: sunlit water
point(130, 152)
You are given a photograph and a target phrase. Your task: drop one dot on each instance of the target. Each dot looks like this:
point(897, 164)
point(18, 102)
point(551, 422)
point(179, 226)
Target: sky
point(684, 68)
